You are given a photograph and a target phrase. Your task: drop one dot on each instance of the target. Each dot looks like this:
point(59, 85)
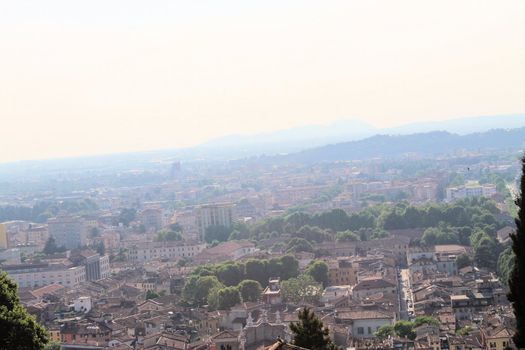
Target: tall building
point(214, 215)
point(3, 237)
point(68, 231)
point(97, 266)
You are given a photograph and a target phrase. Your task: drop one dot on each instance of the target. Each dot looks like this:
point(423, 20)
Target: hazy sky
point(86, 77)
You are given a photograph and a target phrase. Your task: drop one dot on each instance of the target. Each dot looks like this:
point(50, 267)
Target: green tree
point(197, 288)
point(319, 271)
point(250, 290)
point(505, 265)
point(223, 298)
point(151, 294)
point(420, 320)
point(168, 235)
point(256, 270)
point(385, 331)
point(463, 261)
point(346, 236)
point(19, 330)
point(405, 329)
point(517, 275)
point(310, 332)
point(301, 289)
point(217, 233)
point(230, 274)
point(299, 245)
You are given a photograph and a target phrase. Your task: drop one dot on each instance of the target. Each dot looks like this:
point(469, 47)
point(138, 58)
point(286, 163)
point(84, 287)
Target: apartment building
point(172, 250)
point(213, 215)
point(43, 274)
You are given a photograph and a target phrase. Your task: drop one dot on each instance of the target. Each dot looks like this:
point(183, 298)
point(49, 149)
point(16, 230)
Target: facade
point(38, 275)
point(97, 267)
point(371, 286)
point(68, 231)
point(470, 190)
point(214, 215)
point(172, 250)
point(341, 272)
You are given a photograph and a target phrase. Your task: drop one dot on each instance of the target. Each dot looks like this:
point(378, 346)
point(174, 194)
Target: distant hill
point(300, 138)
point(424, 144)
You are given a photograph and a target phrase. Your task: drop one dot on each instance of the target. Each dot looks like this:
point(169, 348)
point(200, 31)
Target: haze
point(99, 77)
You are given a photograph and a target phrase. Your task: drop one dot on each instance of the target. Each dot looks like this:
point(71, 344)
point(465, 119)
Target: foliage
point(310, 332)
point(463, 261)
point(126, 216)
point(151, 294)
point(346, 236)
point(218, 233)
point(223, 298)
point(505, 265)
point(517, 275)
point(405, 329)
point(318, 270)
point(168, 235)
point(464, 331)
point(20, 331)
point(250, 290)
point(299, 245)
point(385, 331)
point(301, 289)
point(420, 320)
point(197, 288)
point(52, 248)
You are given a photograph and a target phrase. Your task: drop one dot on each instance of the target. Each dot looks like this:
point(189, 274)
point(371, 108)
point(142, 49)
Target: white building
point(82, 304)
point(220, 214)
point(469, 190)
point(38, 275)
point(172, 250)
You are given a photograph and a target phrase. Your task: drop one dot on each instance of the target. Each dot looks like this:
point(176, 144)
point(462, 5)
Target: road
point(406, 305)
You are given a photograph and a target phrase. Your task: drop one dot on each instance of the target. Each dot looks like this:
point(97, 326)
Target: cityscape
point(277, 175)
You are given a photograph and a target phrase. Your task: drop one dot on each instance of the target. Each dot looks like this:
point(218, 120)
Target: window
point(360, 330)
point(369, 330)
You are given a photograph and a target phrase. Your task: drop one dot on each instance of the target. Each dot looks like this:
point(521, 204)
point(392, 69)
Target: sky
point(105, 76)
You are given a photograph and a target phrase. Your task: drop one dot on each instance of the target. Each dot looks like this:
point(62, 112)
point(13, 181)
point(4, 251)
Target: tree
point(223, 298)
point(319, 271)
point(310, 332)
point(463, 261)
point(151, 294)
point(425, 320)
point(385, 331)
point(168, 235)
point(197, 288)
point(346, 236)
point(250, 290)
point(51, 247)
point(517, 275)
point(505, 264)
point(217, 233)
point(256, 270)
point(19, 330)
point(230, 274)
point(405, 329)
point(299, 245)
point(301, 289)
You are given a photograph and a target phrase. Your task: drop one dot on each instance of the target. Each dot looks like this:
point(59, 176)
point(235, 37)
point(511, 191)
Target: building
point(370, 286)
point(341, 272)
point(172, 250)
point(220, 214)
point(469, 190)
point(68, 231)
point(43, 274)
point(151, 218)
point(97, 266)
point(272, 293)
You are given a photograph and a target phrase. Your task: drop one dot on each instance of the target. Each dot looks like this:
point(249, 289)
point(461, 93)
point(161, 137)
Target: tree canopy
point(310, 332)
point(19, 330)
